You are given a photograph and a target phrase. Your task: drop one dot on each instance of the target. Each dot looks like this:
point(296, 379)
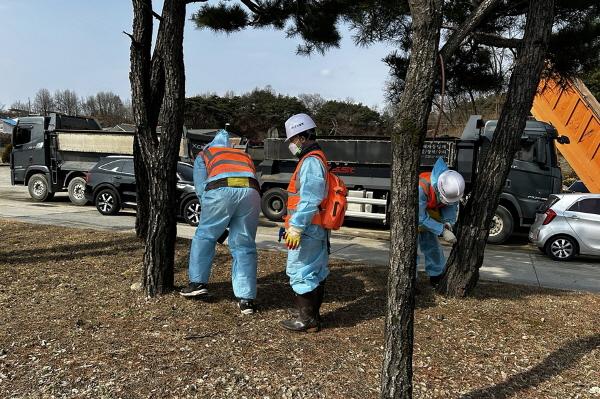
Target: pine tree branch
point(157, 16)
point(490, 39)
point(255, 8)
point(131, 37)
point(461, 33)
point(195, 1)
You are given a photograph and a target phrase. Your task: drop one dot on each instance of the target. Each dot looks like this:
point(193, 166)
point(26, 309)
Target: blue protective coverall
point(308, 265)
point(236, 208)
point(430, 229)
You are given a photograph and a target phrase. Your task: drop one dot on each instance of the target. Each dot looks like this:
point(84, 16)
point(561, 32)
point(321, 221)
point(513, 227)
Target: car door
point(112, 171)
point(128, 181)
point(584, 218)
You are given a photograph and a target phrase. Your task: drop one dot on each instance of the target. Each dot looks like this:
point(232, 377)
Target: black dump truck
point(53, 153)
point(47, 154)
point(364, 165)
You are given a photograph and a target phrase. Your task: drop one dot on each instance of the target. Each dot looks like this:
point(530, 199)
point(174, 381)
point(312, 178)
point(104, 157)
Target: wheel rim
point(79, 191)
point(106, 202)
point(561, 248)
point(276, 205)
point(39, 188)
point(497, 225)
point(192, 213)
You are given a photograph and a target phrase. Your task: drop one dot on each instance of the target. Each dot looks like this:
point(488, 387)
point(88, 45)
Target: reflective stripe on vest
point(224, 160)
point(294, 188)
point(425, 184)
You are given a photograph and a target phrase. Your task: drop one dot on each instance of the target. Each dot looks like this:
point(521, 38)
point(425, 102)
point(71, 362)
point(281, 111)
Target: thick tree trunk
point(157, 81)
point(142, 182)
point(407, 140)
point(466, 258)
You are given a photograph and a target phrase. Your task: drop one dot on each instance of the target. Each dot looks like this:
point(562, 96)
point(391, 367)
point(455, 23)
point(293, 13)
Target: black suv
point(110, 185)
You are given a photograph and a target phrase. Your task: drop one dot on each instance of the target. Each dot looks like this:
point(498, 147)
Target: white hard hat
point(450, 186)
point(297, 124)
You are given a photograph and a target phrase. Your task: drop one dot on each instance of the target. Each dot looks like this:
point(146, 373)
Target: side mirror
point(563, 140)
point(540, 150)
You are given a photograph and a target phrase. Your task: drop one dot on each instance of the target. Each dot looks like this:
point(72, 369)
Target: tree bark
point(157, 81)
point(478, 15)
point(466, 258)
point(142, 182)
point(408, 134)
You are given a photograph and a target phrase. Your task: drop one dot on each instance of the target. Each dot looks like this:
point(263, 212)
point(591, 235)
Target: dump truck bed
point(103, 142)
point(575, 113)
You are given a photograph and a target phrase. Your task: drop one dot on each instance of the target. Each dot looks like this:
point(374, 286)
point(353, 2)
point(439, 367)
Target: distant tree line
point(256, 113)
point(107, 107)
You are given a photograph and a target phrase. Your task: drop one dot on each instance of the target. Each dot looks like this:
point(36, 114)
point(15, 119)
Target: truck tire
point(501, 227)
point(39, 189)
point(273, 204)
point(76, 191)
point(107, 202)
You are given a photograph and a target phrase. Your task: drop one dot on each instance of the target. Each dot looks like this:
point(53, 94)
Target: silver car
point(568, 225)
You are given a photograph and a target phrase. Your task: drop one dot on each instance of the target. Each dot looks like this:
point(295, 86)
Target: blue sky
point(79, 45)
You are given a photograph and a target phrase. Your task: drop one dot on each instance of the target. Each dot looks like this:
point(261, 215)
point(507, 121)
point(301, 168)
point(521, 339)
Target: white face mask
point(294, 149)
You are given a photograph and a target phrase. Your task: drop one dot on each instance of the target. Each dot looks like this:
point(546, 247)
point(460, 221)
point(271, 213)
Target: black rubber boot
point(435, 280)
point(306, 305)
point(320, 292)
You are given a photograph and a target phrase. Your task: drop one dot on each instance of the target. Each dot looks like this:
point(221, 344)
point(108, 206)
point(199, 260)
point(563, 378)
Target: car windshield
point(186, 172)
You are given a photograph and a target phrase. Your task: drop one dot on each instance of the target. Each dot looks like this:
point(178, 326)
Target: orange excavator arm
point(575, 113)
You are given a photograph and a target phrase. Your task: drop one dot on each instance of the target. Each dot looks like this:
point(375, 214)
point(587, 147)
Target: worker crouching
point(439, 194)
point(225, 182)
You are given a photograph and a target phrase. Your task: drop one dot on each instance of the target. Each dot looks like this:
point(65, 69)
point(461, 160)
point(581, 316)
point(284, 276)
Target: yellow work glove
point(292, 237)
point(448, 236)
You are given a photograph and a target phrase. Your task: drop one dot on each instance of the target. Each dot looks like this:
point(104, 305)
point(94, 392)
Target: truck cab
point(533, 176)
point(36, 161)
point(28, 148)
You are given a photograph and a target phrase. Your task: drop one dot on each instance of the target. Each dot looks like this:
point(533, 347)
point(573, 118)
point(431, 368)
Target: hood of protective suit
point(221, 140)
point(438, 168)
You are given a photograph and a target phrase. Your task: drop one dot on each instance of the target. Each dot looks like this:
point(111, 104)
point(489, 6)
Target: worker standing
point(439, 194)
point(225, 181)
point(305, 237)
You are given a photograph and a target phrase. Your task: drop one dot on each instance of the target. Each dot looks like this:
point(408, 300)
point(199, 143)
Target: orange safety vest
point(425, 184)
point(225, 160)
point(294, 186)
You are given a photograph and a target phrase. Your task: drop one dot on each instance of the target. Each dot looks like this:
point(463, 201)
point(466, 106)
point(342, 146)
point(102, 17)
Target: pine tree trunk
point(142, 183)
point(157, 82)
point(467, 256)
point(407, 140)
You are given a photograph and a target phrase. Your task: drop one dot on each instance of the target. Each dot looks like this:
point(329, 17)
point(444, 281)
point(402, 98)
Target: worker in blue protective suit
point(306, 239)
point(225, 182)
point(439, 194)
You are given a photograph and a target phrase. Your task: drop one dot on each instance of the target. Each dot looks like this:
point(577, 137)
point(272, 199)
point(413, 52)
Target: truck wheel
point(38, 188)
point(77, 191)
point(501, 227)
point(191, 212)
point(107, 202)
point(273, 204)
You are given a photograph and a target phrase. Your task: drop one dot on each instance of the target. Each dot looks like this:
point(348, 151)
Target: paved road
point(516, 263)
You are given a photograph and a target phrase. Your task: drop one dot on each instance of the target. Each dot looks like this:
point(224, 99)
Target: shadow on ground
point(554, 364)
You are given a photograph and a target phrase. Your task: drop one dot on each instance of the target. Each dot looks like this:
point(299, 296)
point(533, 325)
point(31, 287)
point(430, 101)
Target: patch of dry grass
point(71, 327)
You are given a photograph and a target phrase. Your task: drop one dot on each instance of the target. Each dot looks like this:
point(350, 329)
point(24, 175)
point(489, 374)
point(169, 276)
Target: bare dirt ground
point(70, 326)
